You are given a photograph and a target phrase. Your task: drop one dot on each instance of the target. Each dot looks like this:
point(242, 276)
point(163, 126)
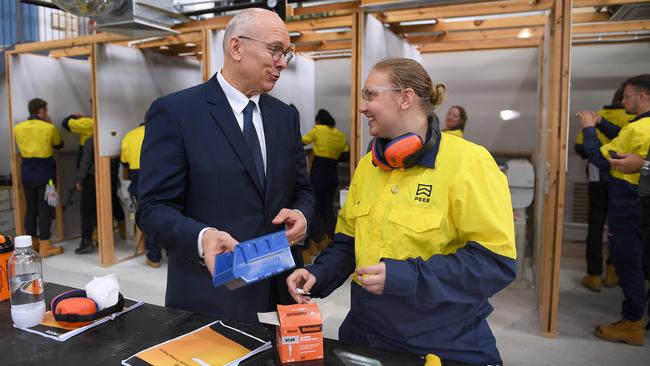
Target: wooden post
point(355, 90)
point(207, 54)
point(16, 160)
point(102, 182)
point(60, 234)
point(557, 109)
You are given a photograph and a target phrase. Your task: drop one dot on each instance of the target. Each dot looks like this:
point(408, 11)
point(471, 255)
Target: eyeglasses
point(627, 96)
point(276, 51)
point(371, 92)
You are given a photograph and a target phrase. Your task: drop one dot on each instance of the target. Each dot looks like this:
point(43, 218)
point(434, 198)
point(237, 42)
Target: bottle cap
point(23, 241)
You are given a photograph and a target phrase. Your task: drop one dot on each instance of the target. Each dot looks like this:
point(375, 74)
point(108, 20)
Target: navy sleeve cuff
point(400, 278)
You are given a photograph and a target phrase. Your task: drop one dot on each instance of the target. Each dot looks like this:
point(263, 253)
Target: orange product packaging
point(300, 334)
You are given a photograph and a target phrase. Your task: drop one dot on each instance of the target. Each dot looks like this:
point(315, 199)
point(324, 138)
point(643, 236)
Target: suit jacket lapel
point(271, 134)
point(225, 119)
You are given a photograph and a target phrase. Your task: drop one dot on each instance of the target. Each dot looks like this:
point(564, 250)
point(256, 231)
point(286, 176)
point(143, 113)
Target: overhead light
point(333, 30)
point(163, 48)
point(190, 44)
point(494, 16)
point(525, 33)
point(508, 114)
point(419, 22)
point(295, 34)
point(187, 54)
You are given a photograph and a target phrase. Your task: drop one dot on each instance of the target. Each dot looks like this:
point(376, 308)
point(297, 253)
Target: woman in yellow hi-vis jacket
point(329, 146)
point(427, 230)
point(455, 121)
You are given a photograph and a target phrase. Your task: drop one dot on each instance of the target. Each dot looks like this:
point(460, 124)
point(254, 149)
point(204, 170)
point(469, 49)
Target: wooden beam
point(212, 23)
point(71, 52)
point(612, 27)
point(207, 55)
point(590, 17)
point(513, 22)
point(479, 45)
point(320, 23)
point(535, 32)
point(194, 37)
point(348, 5)
point(327, 46)
point(69, 42)
point(463, 10)
point(322, 37)
point(596, 3)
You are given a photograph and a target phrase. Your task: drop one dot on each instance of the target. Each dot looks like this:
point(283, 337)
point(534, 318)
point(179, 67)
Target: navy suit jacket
point(197, 171)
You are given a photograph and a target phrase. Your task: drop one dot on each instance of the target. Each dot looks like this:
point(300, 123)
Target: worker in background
point(84, 126)
point(455, 121)
point(36, 138)
point(631, 164)
point(597, 192)
point(86, 184)
point(427, 230)
point(329, 146)
point(130, 158)
point(624, 215)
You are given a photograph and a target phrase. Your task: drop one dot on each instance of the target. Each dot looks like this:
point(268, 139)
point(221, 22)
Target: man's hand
point(216, 242)
point(79, 184)
point(302, 279)
point(373, 278)
point(588, 118)
point(294, 224)
point(628, 163)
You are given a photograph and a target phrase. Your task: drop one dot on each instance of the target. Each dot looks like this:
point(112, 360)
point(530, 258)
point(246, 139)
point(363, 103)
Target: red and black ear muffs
point(74, 309)
point(401, 152)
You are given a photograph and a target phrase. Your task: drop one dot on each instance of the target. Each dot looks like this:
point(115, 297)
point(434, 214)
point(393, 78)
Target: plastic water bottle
point(25, 274)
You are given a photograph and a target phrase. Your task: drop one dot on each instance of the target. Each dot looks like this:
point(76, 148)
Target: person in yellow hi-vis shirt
point(613, 117)
point(130, 158)
point(82, 126)
point(329, 147)
point(427, 230)
point(624, 215)
point(36, 137)
point(455, 121)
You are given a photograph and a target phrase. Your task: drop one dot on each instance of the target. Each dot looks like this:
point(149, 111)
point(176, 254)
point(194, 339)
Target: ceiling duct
point(133, 18)
point(630, 12)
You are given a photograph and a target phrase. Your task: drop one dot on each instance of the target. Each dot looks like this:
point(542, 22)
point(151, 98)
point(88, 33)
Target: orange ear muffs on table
point(74, 309)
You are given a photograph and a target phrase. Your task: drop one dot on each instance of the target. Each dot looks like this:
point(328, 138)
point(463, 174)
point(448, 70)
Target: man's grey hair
point(241, 25)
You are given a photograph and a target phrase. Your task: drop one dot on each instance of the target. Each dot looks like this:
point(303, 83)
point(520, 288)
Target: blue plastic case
point(253, 260)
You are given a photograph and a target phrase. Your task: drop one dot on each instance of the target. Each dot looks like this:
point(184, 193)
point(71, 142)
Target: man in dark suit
point(223, 162)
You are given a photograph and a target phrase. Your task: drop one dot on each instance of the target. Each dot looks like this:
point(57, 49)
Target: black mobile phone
point(614, 155)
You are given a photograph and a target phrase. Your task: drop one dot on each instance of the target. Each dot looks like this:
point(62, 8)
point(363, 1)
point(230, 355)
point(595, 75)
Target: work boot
point(306, 256)
point(121, 226)
point(313, 248)
point(46, 249)
point(86, 246)
point(152, 264)
point(35, 244)
point(622, 331)
point(94, 235)
point(611, 278)
point(592, 282)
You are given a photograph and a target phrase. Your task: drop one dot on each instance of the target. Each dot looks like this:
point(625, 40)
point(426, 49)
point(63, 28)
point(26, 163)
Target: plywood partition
point(125, 83)
point(297, 86)
point(65, 85)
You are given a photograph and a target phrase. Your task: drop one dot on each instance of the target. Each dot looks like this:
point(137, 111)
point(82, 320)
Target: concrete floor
point(515, 320)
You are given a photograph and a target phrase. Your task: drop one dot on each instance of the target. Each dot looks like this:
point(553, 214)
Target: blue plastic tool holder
point(253, 260)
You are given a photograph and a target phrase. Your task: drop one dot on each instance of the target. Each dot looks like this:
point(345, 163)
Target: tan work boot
point(593, 283)
point(35, 244)
point(313, 248)
point(324, 243)
point(622, 331)
point(47, 249)
point(121, 226)
point(152, 264)
point(611, 278)
point(94, 236)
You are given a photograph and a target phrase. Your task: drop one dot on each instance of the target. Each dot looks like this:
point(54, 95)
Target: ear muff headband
point(82, 318)
point(401, 152)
